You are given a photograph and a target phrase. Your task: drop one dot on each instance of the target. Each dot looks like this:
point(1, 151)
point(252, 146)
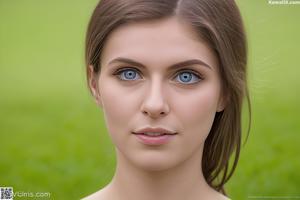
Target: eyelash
point(122, 69)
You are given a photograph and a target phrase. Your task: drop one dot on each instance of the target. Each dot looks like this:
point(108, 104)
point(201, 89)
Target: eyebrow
point(174, 66)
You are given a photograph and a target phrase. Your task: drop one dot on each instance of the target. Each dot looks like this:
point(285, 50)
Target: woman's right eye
point(127, 74)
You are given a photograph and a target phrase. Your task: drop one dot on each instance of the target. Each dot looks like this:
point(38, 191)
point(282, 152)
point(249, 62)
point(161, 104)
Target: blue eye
point(186, 77)
point(127, 74)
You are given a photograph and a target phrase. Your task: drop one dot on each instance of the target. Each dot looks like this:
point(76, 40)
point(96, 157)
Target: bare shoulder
point(95, 196)
point(98, 195)
point(225, 198)
point(222, 197)
point(219, 196)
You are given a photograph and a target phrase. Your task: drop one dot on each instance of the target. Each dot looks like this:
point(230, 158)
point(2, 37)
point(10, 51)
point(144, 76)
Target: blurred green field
point(53, 137)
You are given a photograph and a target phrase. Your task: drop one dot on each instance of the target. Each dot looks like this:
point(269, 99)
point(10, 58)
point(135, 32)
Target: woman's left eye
point(184, 76)
point(188, 77)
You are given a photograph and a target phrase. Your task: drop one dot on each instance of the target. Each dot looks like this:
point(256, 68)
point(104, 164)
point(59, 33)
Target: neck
point(184, 181)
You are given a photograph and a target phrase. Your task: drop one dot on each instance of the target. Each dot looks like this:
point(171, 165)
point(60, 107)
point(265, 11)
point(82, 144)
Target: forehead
point(157, 43)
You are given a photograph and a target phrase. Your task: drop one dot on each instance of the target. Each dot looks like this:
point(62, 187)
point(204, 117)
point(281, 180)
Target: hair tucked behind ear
point(219, 23)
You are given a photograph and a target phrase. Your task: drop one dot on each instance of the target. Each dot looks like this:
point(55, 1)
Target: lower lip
point(154, 140)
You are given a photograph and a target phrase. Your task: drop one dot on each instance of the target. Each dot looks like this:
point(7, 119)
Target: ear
point(222, 103)
point(93, 85)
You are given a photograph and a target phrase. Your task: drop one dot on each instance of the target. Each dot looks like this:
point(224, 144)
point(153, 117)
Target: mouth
point(154, 139)
point(153, 134)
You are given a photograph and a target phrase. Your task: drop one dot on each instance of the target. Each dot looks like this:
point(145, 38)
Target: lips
point(154, 131)
point(154, 140)
point(154, 135)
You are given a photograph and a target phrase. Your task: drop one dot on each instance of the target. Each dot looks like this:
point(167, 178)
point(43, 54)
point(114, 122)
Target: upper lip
point(155, 130)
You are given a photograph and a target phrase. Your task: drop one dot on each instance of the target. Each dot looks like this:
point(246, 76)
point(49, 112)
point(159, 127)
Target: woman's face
point(183, 99)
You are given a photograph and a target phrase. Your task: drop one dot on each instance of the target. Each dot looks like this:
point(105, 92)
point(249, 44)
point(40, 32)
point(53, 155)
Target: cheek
point(197, 109)
point(119, 105)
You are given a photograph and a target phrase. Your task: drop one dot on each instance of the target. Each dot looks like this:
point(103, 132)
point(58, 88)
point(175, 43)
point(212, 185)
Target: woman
point(170, 76)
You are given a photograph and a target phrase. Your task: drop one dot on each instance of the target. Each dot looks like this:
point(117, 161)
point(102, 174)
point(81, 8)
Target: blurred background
point(53, 137)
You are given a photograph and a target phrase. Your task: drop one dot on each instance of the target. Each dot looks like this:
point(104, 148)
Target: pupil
point(129, 74)
point(186, 77)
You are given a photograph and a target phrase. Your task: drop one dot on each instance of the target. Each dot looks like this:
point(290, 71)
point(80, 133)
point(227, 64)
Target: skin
point(158, 96)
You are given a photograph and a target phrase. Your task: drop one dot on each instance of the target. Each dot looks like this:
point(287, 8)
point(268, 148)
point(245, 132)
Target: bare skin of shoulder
point(104, 194)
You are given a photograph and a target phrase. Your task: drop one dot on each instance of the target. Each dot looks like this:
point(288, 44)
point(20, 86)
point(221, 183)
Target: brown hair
point(219, 23)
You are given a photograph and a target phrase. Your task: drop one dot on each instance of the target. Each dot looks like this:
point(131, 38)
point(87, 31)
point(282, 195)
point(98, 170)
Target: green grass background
point(53, 138)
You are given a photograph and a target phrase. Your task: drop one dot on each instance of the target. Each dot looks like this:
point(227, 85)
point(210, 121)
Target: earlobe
point(222, 104)
point(92, 81)
point(220, 108)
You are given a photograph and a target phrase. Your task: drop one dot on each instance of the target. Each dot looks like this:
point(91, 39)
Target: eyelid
point(121, 69)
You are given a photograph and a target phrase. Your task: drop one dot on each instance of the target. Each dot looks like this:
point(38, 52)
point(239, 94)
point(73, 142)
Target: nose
point(155, 104)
